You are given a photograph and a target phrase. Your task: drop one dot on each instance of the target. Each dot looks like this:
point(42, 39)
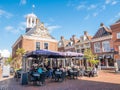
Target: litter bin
point(24, 78)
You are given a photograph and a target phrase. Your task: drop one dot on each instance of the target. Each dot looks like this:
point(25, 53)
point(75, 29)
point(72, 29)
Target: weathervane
point(33, 6)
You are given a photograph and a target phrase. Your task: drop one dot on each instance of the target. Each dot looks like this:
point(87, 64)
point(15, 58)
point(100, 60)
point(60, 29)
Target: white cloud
point(114, 2)
point(21, 26)
point(23, 2)
point(5, 53)
point(4, 13)
point(118, 15)
point(52, 27)
point(87, 17)
point(115, 18)
point(51, 19)
point(111, 2)
point(95, 14)
point(103, 7)
point(9, 28)
point(107, 1)
point(80, 7)
point(92, 6)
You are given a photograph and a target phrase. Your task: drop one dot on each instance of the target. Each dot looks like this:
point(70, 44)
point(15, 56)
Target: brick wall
point(116, 42)
point(30, 45)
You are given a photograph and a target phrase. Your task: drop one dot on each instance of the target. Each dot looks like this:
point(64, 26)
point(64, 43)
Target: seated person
point(40, 70)
point(92, 72)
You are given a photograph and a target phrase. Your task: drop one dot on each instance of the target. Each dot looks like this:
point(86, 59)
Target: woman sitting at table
point(39, 70)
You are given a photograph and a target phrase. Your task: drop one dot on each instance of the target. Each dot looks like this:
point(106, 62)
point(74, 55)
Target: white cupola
point(31, 20)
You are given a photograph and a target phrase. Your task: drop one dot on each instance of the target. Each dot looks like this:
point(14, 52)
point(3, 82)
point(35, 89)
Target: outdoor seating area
point(43, 65)
point(39, 76)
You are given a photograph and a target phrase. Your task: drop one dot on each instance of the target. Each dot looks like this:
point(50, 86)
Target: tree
point(19, 52)
point(9, 60)
point(90, 57)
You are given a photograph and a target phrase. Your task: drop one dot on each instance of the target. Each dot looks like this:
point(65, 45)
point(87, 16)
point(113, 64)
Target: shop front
point(106, 61)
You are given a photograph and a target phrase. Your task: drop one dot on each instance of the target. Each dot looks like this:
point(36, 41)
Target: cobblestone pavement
point(106, 80)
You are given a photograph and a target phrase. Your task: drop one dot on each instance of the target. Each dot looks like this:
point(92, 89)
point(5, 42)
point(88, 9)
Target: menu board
point(6, 71)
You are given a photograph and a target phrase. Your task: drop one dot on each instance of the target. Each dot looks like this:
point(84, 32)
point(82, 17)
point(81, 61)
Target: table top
point(36, 74)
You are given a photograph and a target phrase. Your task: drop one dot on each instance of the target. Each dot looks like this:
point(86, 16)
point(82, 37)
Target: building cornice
point(101, 38)
point(83, 42)
point(69, 47)
point(38, 38)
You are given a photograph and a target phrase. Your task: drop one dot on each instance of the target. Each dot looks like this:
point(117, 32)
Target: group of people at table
point(40, 73)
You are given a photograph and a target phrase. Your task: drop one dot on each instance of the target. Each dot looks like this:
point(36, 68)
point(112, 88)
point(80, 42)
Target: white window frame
point(48, 45)
point(97, 48)
point(106, 46)
point(118, 35)
point(36, 45)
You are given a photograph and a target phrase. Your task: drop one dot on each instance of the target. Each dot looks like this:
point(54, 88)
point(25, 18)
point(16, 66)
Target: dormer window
point(70, 43)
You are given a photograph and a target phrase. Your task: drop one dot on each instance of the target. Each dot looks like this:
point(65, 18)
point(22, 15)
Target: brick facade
point(116, 29)
point(37, 33)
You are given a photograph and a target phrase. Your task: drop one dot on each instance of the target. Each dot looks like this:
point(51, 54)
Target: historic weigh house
point(36, 37)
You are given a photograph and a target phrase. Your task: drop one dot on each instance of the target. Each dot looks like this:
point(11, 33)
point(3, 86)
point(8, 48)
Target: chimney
point(62, 37)
point(73, 37)
point(86, 33)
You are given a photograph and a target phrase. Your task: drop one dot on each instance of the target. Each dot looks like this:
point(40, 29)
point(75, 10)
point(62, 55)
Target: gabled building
point(67, 45)
point(102, 45)
point(36, 37)
point(83, 43)
point(71, 44)
point(62, 44)
point(116, 40)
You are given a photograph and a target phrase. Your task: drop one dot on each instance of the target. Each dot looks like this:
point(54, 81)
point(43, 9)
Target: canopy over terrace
point(52, 54)
point(41, 56)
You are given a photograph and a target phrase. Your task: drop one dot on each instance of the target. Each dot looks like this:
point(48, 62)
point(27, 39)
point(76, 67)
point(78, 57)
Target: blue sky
point(62, 17)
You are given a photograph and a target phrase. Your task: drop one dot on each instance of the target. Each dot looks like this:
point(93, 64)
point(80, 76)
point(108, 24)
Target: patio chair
point(31, 79)
point(58, 75)
point(63, 76)
point(42, 78)
point(81, 73)
point(95, 73)
point(70, 73)
point(75, 74)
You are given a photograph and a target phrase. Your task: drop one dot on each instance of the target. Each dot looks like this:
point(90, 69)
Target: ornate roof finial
point(33, 6)
point(102, 24)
